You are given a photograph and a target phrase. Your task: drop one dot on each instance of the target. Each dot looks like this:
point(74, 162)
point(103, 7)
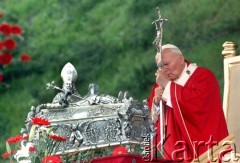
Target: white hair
point(175, 49)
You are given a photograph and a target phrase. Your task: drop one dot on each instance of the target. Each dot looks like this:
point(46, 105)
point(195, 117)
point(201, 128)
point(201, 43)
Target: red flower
point(16, 30)
point(32, 149)
point(40, 121)
point(6, 59)
point(6, 154)
point(5, 29)
point(15, 139)
point(57, 137)
point(25, 58)
point(1, 46)
point(119, 150)
point(1, 77)
point(9, 43)
point(52, 159)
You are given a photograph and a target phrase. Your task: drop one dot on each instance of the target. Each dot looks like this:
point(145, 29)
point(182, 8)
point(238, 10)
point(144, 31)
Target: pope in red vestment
point(192, 103)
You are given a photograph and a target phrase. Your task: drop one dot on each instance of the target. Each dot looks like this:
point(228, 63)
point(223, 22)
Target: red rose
point(52, 159)
point(16, 30)
point(5, 29)
point(9, 43)
point(6, 58)
point(119, 150)
point(25, 58)
point(40, 121)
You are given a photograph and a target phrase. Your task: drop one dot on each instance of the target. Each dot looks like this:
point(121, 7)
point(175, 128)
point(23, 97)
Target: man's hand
point(156, 100)
point(161, 78)
point(158, 95)
point(155, 116)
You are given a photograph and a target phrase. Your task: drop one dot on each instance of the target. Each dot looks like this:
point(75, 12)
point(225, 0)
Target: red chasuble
point(195, 121)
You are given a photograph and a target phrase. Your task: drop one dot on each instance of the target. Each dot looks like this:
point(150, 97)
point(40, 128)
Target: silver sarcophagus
point(91, 121)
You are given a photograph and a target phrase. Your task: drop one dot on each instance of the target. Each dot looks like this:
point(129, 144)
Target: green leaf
point(32, 132)
point(8, 148)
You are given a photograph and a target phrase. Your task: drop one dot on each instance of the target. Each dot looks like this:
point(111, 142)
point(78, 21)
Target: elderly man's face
point(172, 64)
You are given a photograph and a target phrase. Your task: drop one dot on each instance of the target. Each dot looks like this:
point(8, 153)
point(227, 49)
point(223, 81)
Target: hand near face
point(161, 78)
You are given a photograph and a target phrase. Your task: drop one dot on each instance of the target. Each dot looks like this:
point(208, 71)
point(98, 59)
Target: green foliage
point(110, 43)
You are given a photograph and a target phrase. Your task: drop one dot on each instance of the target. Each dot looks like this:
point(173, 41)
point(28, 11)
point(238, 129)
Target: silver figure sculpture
point(92, 121)
point(68, 93)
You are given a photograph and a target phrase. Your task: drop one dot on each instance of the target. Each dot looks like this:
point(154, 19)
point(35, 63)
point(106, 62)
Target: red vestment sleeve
point(151, 96)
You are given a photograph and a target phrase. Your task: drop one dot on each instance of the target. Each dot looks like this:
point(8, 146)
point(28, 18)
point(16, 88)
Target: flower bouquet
point(40, 145)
